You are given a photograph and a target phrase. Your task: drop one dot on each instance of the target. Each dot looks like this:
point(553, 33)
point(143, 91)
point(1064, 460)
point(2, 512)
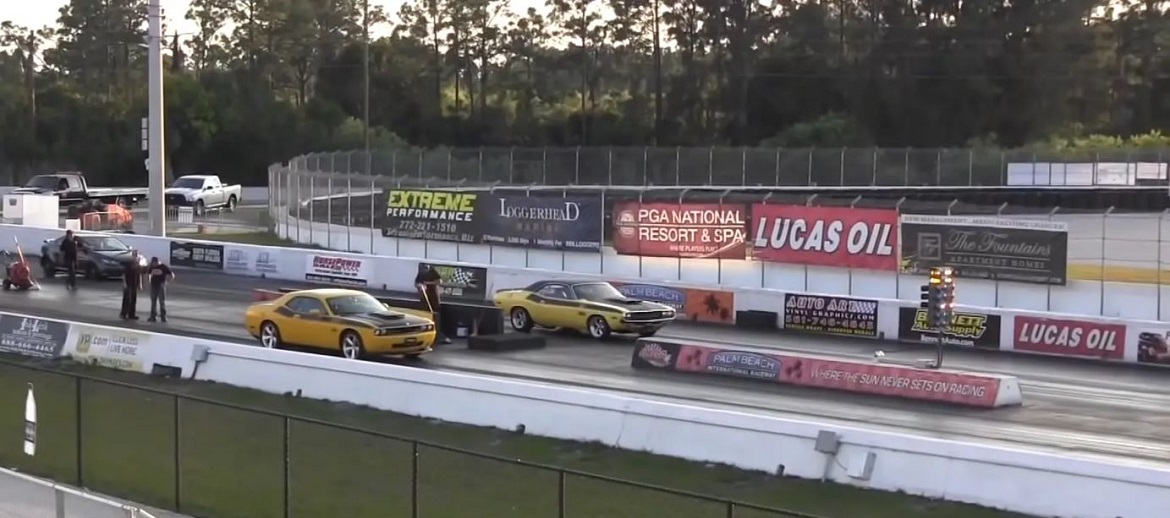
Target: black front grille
point(176, 199)
point(400, 330)
point(646, 315)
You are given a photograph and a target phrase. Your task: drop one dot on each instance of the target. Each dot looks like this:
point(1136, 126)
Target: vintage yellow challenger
point(351, 322)
point(596, 308)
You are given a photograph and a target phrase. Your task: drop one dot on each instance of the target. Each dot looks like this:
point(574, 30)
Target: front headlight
point(190, 197)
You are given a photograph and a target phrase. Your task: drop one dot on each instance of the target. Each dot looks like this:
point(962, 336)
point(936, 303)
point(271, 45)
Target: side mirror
point(315, 312)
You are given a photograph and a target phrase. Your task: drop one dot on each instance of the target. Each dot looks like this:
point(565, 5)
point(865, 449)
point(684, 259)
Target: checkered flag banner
point(461, 277)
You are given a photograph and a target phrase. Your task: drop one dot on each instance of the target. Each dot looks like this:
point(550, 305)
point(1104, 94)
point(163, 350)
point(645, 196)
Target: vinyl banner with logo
point(197, 255)
point(1063, 337)
point(691, 304)
point(691, 230)
point(333, 269)
point(250, 261)
point(468, 282)
point(549, 222)
point(844, 316)
point(431, 215)
point(1017, 250)
point(1153, 346)
point(28, 336)
point(109, 347)
point(978, 330)
point(825, 236)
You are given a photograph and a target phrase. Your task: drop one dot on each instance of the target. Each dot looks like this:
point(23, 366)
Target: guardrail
point(23, 495)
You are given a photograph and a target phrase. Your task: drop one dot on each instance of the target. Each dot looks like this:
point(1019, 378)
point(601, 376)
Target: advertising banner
point(693, 304)
point(864, 378)
point(554, 223)
point(332, 269)
point(649, 354)
point(691, 230)
point(843, 316)
point(1070, 337)
point(465, 282)
point(825, 236)
point(249, 261)
point(979, 330)
point(197, 255)
point(35, 337)
point(1016, 250)
point(107, 347)
point(1154, 347)
point(431, 215)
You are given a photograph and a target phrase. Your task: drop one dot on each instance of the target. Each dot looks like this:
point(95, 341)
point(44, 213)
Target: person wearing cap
point(69, 248)
point(427, 281)
point(160, 275)
point(131, 283)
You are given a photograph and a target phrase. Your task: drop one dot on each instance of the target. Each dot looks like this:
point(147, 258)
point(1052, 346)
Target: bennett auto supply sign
point(1070, 337)
point(825, 236)
point(693, 230)
point(1019, 250)
point(966, 330)
point(553, 222)
point(431, 215)
point(831, 315)
point(332, 269)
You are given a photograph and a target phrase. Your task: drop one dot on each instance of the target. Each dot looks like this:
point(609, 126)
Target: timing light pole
point(156, 149)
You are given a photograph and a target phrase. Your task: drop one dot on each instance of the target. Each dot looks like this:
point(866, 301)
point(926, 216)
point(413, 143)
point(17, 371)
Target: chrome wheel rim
point(519, 319)
point(268, 336)
point(350, 347)
point(597, 327)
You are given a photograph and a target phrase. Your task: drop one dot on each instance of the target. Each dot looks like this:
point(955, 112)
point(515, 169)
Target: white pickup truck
point(202, 192)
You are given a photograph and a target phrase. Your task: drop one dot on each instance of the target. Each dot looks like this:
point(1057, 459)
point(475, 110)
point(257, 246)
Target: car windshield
point(104, 244)
point(597, 291)
point(188, 183)
point(355, 304)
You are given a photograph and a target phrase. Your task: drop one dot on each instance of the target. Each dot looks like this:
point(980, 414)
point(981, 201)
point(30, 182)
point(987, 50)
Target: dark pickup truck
point(72, 189)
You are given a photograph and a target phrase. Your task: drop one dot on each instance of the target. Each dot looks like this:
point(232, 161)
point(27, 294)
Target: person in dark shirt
point(427, 281)
point(160, 275)
point(69, 248)
point(131, 283)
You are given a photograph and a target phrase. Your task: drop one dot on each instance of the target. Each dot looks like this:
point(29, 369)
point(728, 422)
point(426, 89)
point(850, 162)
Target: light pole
point(156, 149)
point(366, 79)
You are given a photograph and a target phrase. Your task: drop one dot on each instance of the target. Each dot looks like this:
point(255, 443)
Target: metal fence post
point(373, 189)
point(561, 513)
point(178, 455)
point(287, 466)
point(329, 212)
point(414, 479)
point(349, 213)
point(312, 220)
point(80, 431)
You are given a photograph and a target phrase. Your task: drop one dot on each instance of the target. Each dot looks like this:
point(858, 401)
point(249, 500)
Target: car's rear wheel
point(598, 327)
point(91, 272)
point(269, 335)
point(521, 320)
point(352, 346)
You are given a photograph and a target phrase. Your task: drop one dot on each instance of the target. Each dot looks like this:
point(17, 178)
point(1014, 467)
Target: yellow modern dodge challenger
point(350, 321)
point(596, 308)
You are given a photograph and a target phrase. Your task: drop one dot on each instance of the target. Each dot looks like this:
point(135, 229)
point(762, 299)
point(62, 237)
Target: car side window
point(555, 291)
point(304, 305)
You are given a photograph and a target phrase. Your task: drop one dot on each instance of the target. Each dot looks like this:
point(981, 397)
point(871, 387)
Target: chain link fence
point(764, 167)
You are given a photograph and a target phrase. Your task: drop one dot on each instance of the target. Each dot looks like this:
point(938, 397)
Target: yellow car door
point(554, 307)
point(305, 324)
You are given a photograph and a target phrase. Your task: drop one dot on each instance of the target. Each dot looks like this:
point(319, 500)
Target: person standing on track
point(69, 247)
point(428, 281)
point(131, 283)
point(160, 276)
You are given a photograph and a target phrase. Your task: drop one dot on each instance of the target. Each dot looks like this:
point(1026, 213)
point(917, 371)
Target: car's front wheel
point(49, 268)
point(598, 327)
point(352, 346)
point(269, 335)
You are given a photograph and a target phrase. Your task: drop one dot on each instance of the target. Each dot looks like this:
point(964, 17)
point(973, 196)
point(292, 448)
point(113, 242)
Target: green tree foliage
point(258, 81)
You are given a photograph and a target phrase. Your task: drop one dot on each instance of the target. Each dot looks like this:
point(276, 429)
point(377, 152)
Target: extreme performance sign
point(431, 215)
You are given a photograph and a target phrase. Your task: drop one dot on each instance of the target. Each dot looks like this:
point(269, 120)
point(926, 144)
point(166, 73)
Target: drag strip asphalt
point(1071, 407)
